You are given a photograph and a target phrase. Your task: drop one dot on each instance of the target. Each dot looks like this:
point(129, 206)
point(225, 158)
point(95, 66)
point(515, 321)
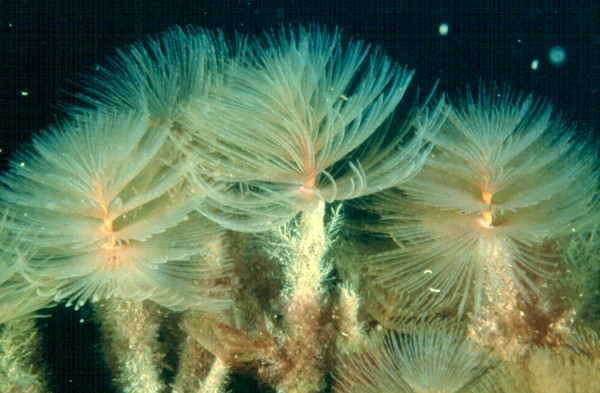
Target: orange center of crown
point(112, 246)
point(486, 216)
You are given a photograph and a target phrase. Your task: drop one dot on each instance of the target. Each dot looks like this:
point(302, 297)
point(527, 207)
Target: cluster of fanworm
point(266, 206)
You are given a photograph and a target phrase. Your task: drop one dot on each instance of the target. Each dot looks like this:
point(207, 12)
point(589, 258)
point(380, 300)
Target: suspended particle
point(557, 55)
point(535, 64)
point(444, 29)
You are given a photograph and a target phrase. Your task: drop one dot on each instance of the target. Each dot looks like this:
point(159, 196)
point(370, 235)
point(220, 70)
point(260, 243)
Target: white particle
point(535, 64)
point(22, 165)
point(24, 93)
point(443, 29)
